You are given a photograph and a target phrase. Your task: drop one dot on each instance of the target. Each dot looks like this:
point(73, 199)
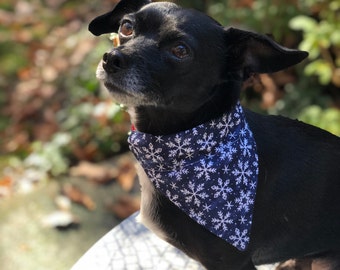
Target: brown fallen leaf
point(95, 172)
point(84, 152)
point(127, 175)
point(6, 183)
point(125, 206)
point(78, 196)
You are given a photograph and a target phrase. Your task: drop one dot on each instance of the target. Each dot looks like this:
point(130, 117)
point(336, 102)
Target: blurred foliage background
point(54, 113)
point(51, 101)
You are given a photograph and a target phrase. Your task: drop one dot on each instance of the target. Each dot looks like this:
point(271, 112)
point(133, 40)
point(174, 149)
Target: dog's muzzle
point(114, 61)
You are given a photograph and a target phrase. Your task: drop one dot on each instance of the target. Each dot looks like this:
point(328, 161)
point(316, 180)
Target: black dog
point(177, 69)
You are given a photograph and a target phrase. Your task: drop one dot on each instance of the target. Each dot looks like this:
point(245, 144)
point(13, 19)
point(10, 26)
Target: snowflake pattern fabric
point(210, 172)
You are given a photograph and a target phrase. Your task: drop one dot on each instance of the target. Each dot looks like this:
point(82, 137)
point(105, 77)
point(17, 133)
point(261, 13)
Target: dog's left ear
point(256, 53)
point(109, 22)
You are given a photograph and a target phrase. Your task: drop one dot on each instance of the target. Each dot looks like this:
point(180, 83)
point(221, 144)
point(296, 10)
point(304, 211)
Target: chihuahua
point(229, 187)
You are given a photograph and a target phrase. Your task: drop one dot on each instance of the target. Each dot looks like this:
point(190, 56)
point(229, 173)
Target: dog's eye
point(180, 51)
point(126, 28)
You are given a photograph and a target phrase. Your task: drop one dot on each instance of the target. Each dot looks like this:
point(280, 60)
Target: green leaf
point(311, 115)
point(310, 44)
point(304, 23)
point(328, 119)
point(335, 38)
point(320, 68)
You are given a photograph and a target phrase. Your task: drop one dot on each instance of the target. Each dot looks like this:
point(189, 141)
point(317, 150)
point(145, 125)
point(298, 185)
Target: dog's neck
point(158, 120)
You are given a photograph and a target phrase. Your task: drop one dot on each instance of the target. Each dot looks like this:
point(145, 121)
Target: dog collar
point(210, 172)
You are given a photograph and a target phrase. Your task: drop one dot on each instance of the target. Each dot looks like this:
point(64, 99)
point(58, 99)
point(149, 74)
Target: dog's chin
point(121, 95)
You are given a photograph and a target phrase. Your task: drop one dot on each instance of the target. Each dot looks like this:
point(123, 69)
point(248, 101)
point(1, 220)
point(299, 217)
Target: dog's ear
point(109, 22)
point(256, 53)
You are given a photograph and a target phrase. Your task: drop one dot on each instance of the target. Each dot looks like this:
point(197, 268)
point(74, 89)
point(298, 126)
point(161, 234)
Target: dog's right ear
point(109, 22)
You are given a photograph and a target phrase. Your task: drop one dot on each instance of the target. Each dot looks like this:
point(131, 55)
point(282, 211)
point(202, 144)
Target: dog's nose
point(113, 61)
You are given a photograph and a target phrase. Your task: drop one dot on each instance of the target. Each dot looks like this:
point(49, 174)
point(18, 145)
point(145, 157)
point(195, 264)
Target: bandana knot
point(209, 172)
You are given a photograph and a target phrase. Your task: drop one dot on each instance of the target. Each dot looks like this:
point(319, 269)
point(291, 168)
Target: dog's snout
point(113, 61)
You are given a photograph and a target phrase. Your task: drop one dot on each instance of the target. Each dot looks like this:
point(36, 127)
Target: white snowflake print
point(134, 141)
point(232, 136)
point(205, 169)
point(160, 167)
point(222, 189)
point(212, 124)
point(153, 153)
point(242, 220)
point(227, 122)
point(242, 172)
point(173, 198)
point(245, 147)
point(207, 142)
point(197, 216)
point(207, 207)
point(244, 131)
point(229, 205)
point(189, 153)
point(222, 221)
point(256, 164)
point(194, 194)
point(156, 178)
point(253, 184)
point(210, 156)
point(226, 169)
point(173, 186)
point(179, 146)
point(178, 170)
point(240, 238)
point(159, 139)
point(226, 151)
point(244, 201)
point(194, 131)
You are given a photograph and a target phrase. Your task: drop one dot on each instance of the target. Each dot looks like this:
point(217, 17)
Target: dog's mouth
point(127, 87)
point(120, 94)
point(114, 88)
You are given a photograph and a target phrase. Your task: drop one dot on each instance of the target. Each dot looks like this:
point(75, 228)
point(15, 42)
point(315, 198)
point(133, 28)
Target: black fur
point(298, 199)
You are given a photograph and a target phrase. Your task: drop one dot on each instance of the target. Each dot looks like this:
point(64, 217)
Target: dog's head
point(174, 57)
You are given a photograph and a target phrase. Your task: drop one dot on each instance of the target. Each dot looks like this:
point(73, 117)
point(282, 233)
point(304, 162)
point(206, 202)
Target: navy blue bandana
point(209, 172)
